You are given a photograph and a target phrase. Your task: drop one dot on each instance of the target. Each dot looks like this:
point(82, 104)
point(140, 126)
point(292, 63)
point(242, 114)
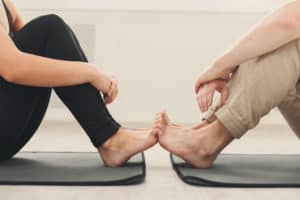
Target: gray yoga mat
point(43, 168)
point(232, 170)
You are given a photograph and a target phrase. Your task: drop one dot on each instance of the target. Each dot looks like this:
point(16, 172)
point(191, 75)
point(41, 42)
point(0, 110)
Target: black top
point(10, 21)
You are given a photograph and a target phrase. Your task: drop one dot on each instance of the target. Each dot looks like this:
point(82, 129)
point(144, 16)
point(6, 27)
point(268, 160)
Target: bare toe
point(166, 118)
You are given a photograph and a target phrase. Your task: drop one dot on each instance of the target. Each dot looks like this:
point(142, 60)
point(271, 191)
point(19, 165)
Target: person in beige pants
point(260, 72)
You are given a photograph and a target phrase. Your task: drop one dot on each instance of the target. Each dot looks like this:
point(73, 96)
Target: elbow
point(289, 24)
point(10, 76)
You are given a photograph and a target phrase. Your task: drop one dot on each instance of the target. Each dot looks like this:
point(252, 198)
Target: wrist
point(99, 78)
point(106, 82)
point(92, 73)
point(226, 68)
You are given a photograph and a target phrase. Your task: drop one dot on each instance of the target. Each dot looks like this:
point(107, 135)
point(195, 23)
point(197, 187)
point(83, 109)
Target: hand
point(106, 84)
point(206, 93)
point(113, 91)
point(214, 72)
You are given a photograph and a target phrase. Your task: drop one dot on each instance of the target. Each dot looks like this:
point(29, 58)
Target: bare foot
point(199, 148)
point(125, 144)
point(200, 125)
point(169, 122)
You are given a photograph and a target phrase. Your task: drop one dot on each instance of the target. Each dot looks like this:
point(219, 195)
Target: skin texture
point(285, 22)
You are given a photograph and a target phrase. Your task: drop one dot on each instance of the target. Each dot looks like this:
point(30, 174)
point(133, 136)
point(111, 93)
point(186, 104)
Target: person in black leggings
point(23, 107)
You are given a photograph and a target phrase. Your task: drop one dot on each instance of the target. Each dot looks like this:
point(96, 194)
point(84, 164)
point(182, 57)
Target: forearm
point(32, 70)
point(279, 28)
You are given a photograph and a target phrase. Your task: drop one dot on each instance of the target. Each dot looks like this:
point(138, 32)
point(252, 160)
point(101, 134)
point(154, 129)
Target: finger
point(201, 99)
point(107, 97)
point(111, 95)
point(205, 98)
point(113, 92)
point(209, 95)
point(210, 98)
point(204, 77)
point(224, 95)
point(198, 85)
point(116, 93)
point(106, 100)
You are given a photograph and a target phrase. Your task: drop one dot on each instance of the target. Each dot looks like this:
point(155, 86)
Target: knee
point(53, 22)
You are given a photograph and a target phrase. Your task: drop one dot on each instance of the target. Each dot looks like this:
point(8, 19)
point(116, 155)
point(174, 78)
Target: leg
point(289, 109)
point(84, 101)
point(253, 91)
point(22, 111)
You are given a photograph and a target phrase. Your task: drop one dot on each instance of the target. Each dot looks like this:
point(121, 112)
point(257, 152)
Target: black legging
point(22, 108)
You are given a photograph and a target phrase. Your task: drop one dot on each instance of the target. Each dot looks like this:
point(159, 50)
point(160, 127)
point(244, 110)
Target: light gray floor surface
point(161, 181)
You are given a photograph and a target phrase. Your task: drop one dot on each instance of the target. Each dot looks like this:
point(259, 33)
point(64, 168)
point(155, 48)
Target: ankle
point(110, 143)
point(222, 135)
point(215, 139)
point(222, 132)
point(105, 145)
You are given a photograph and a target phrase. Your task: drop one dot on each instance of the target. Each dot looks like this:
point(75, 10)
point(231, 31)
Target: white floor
point(161, 181)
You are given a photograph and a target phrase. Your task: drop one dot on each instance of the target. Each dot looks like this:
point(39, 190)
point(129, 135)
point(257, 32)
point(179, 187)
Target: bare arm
point(27, 69)
point(273, 31)
point(18, 22)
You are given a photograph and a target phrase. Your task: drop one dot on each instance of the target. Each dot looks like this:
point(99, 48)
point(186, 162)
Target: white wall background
point(154, 5)
point(156, 47)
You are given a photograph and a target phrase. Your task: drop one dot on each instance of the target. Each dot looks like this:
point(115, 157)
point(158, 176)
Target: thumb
point(200, 81)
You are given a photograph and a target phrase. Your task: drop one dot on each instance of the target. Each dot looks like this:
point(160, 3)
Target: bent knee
point(52, 21)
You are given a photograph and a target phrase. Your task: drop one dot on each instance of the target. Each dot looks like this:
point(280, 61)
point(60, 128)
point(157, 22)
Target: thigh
point(18, 108)
point(34, 120)
point(32, 38)
point(290, 109)
point(263, 83)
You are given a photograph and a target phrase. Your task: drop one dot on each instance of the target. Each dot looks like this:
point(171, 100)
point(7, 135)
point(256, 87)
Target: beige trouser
point(260, 85)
